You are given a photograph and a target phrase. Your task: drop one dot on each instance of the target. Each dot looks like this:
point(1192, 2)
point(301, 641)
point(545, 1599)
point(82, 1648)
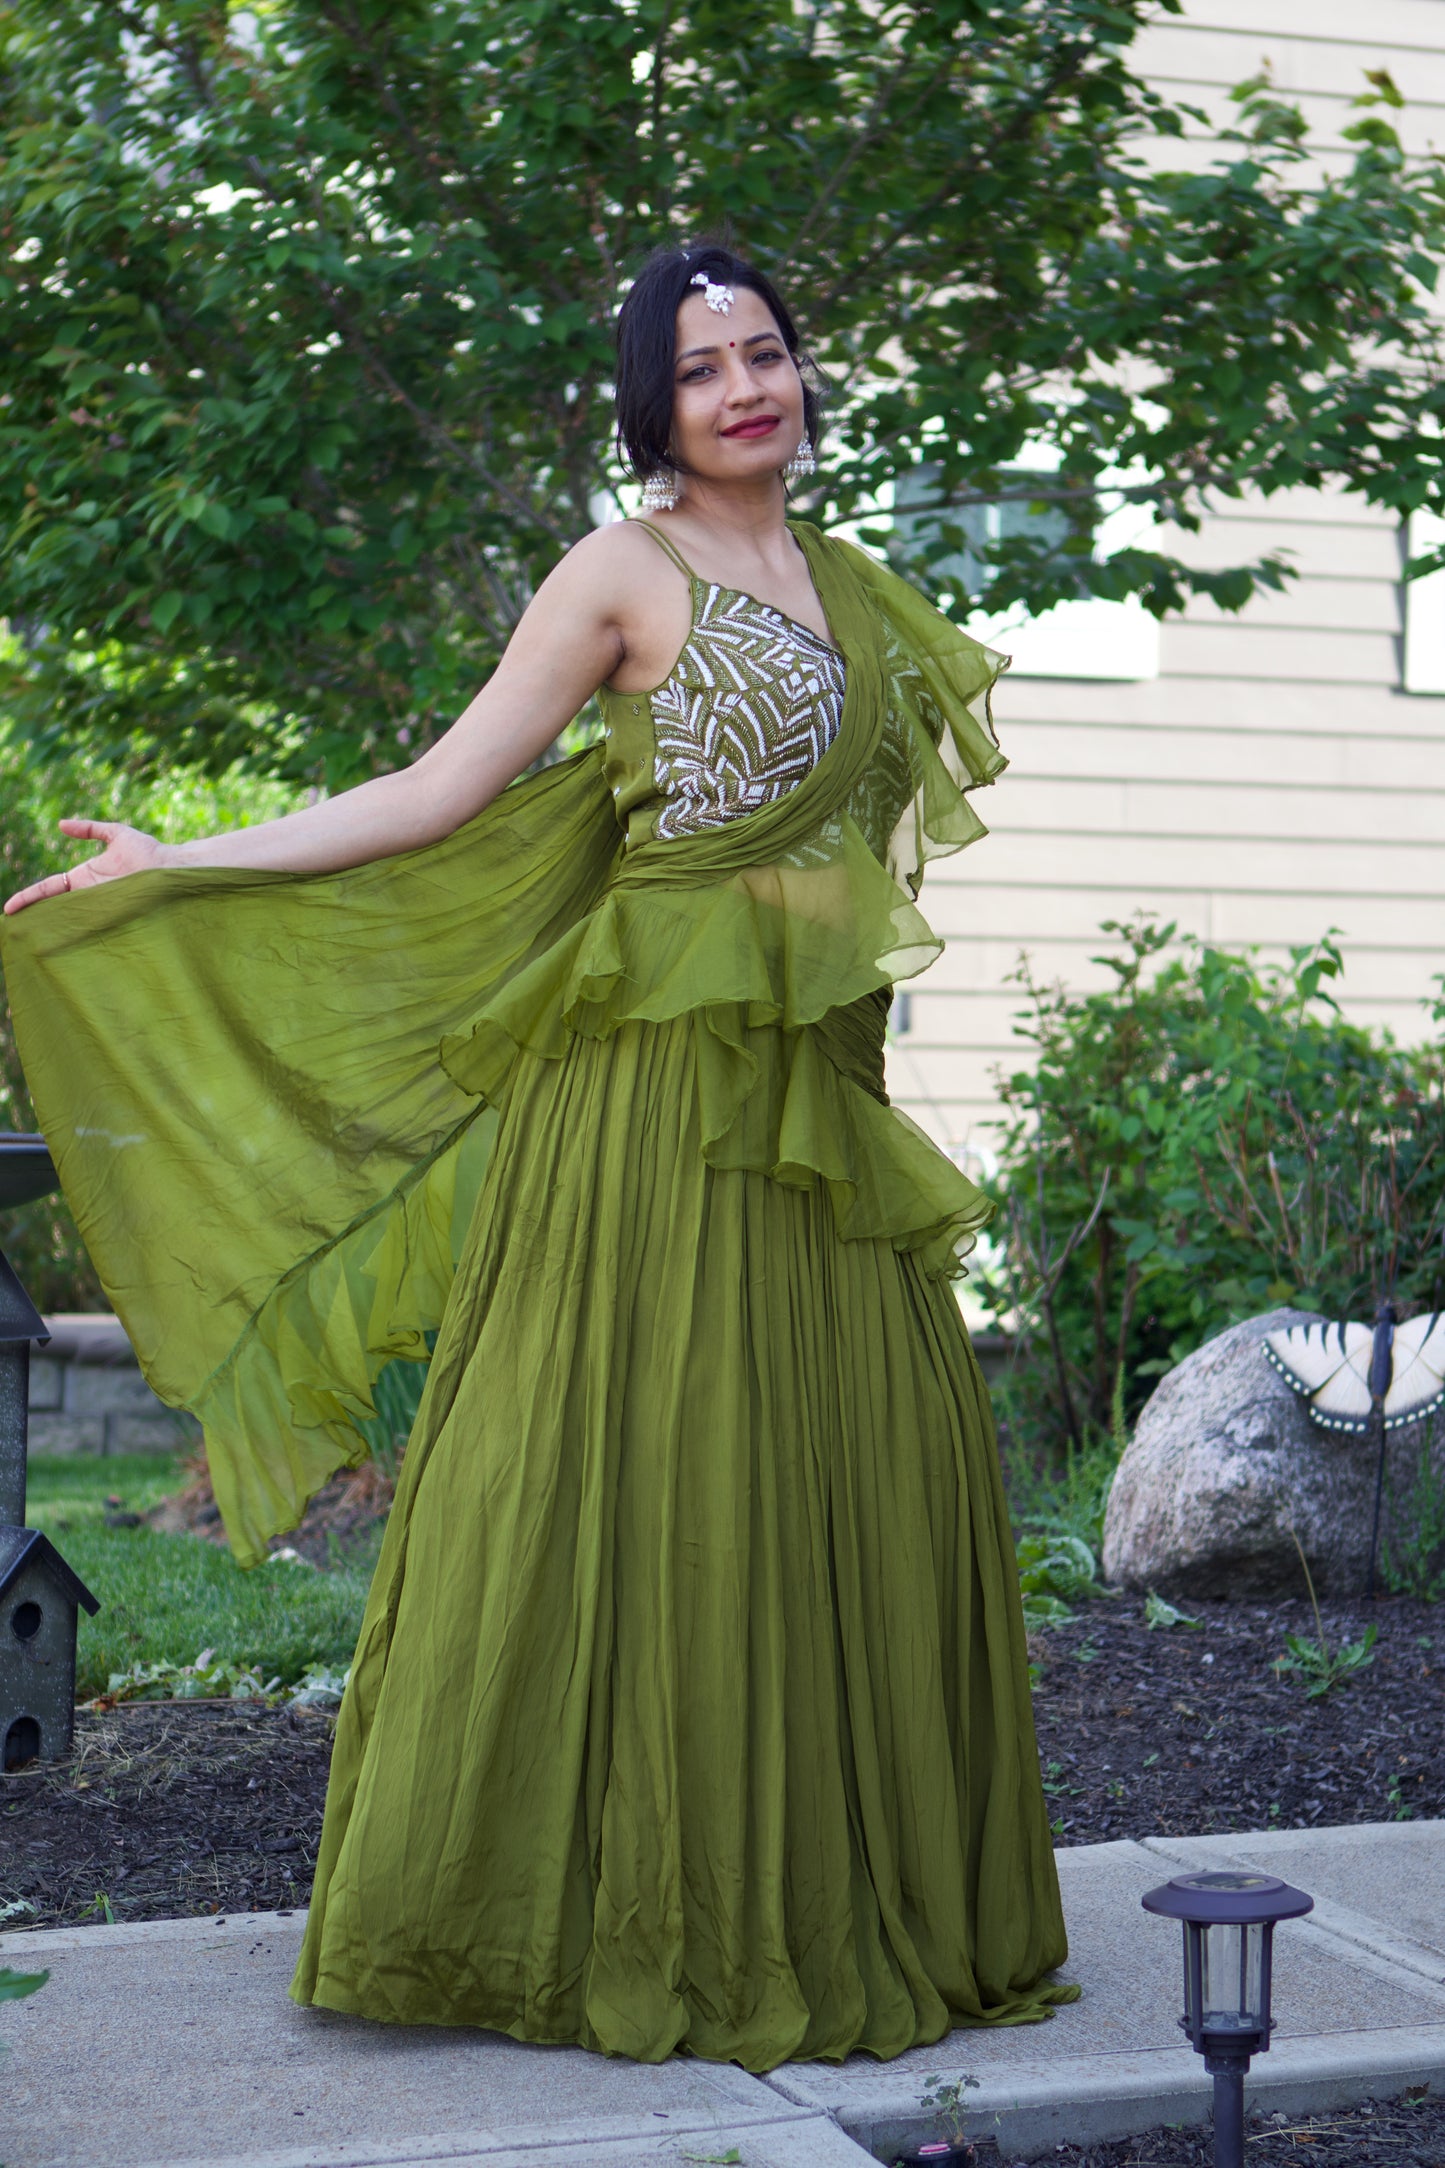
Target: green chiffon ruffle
point(272, 1098)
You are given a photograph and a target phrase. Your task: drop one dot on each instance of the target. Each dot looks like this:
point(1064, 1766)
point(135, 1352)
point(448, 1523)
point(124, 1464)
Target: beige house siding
point(1274, 779)
point(1198, 58)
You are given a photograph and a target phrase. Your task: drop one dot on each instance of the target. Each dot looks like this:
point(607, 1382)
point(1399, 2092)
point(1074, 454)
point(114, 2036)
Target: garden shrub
point(1203, 1139)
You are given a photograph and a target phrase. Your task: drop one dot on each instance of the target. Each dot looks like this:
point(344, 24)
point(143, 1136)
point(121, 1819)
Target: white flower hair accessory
point(718, 298)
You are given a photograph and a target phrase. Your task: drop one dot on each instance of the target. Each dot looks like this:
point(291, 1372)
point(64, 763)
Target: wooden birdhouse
point(40, 1597)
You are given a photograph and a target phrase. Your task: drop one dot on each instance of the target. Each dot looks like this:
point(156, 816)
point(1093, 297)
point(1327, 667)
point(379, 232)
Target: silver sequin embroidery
point(753, 705)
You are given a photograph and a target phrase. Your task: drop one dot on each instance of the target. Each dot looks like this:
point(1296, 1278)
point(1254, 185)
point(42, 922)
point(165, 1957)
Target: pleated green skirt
point(690, 1710)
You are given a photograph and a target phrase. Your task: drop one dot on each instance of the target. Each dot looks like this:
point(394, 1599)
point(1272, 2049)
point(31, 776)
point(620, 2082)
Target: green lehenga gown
point(690, 1710)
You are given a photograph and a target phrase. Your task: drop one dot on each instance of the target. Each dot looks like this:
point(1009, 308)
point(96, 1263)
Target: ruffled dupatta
point(271, 1097)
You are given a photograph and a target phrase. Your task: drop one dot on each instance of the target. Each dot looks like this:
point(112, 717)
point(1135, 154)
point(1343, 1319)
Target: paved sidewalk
point(174, 2045)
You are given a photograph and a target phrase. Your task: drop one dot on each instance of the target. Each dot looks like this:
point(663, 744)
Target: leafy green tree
point(305, 374)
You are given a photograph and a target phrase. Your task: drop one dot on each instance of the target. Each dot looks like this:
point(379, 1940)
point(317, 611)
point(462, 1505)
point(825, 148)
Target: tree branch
point(862, 141)
point(433, 431)
point(1070, 65)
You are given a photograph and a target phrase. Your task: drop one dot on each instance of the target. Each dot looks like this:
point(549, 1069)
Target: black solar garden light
point(1229, 1919)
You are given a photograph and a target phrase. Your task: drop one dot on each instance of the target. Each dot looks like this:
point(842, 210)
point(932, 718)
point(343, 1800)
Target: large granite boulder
point(1224, 1462)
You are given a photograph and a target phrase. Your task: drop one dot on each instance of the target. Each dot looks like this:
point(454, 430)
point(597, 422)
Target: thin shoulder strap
point(663, 543)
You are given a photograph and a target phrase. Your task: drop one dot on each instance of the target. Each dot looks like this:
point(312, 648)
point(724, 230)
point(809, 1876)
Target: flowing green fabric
point(690, 1708)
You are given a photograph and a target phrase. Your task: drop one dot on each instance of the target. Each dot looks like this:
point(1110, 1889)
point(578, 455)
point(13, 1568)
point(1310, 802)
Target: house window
point(1087, 638)
point(1424, 661)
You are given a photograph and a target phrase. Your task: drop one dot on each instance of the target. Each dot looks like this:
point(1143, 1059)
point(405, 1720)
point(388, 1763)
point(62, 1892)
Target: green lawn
point(165, 1598)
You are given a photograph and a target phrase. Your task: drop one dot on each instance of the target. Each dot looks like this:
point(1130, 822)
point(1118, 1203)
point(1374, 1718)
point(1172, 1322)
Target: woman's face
point(737, 397)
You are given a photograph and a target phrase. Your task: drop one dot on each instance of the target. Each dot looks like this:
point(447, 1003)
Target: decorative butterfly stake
point(1359, 1378)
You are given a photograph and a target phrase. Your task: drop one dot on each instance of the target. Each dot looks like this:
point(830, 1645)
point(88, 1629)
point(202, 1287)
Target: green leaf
point(1374, 131)
point(1159, 1614)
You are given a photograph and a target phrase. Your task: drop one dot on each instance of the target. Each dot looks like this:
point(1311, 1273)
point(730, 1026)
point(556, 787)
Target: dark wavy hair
point(647, 344)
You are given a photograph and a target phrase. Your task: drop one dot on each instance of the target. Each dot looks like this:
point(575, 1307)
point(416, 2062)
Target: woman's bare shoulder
point(602, 580)
point(617, 578)
point(618, 558)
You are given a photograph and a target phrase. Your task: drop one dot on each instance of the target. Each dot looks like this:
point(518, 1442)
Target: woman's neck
point(747, 520)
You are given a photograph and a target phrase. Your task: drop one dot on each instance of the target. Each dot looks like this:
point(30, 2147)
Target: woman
point(690, 1709)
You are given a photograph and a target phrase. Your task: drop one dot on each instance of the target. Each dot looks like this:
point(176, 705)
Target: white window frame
point(1088, 637)
point(1424, 610)
point(1084, 638)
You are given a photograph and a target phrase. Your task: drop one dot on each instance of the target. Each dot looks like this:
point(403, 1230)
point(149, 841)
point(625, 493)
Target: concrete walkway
point(173, 2044)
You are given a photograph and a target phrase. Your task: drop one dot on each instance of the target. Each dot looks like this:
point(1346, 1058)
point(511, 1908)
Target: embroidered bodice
point(751, 705)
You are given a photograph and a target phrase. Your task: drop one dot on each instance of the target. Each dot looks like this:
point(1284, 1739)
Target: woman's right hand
point(124, 850)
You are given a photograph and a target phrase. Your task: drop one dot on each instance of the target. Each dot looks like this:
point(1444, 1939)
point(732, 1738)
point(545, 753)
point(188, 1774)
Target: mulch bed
point(1407, 2133)
point(1175, 1732)
point(169, 1808)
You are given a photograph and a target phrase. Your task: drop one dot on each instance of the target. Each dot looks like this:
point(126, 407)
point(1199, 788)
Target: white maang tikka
point(718, 298)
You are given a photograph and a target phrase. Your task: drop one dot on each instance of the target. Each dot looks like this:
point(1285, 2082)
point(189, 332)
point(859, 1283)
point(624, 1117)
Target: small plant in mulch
point(1160, 1616)
point(945, 2097)
point(1319, 1667)
point(1056, 1571)
point(1315, 1663)
point(210, 1679)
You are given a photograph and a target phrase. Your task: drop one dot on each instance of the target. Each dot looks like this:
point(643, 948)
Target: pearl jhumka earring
point(660, 491)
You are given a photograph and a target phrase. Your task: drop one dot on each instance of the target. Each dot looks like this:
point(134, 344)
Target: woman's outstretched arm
point(572, 637)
